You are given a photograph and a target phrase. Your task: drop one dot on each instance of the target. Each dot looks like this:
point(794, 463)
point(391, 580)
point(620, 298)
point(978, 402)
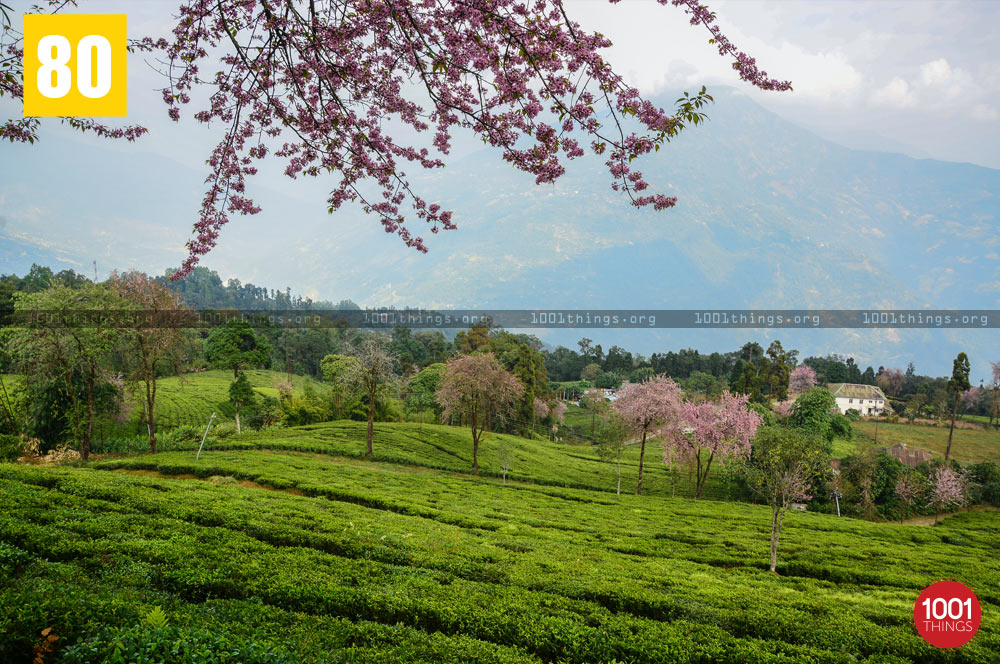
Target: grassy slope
point(192, 399)
point(404, 562)
point(968, 444)
point(578, 420)
point(450, 449)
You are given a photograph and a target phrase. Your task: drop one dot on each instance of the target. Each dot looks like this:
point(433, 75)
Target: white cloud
point(985, 112)
point(816, 74)
point(896, 94)
point(936, 72)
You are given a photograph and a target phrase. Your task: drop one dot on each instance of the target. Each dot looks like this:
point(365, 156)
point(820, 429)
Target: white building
point(866, 399)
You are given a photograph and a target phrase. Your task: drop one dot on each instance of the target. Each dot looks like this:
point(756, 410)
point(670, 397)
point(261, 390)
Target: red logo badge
point(947, 614)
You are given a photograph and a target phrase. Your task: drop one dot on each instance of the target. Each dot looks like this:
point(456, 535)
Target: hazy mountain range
point(769, 216)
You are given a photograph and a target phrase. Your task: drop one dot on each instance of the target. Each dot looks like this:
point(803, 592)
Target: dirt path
point(929, 520)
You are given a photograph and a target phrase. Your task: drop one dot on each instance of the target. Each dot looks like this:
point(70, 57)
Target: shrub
point(853, 414)
point(149, 644)
point(183, 434)
point(767, 416)
point(223, 430)
point(121, 445)
point(986, 476)
point(267, 413)
point(841, 427)
point(11, 447)
point(12, 559)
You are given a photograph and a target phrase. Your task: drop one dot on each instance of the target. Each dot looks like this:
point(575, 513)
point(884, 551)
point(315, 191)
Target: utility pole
point(198, 456)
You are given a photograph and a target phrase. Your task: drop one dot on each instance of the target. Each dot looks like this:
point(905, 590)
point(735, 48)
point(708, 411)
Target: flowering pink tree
point(784, 408)
point(321, 85)
point(476, 388)
point(801, 379)
point(891, 381)
point(994, 388)
point(541, 409)
point(708, 431)
point(318, 85)
point(909, 487)
point(558, 411)
point(644, 406)
point(971, 397)
point(947, 490)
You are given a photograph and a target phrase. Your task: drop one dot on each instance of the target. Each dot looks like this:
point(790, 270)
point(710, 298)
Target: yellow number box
point(74, 65)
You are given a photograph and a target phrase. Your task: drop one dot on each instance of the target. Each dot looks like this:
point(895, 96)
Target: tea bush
point(11, 447)
point(292, 549)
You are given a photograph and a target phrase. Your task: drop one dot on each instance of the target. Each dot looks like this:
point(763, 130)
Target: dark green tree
point(235, 346)
point(778, 371)
point(958, 384)
point(422, 388)
point(748, 381)
point(814, 411)
point(782, 468)
point(241, 396)
point(73, 359)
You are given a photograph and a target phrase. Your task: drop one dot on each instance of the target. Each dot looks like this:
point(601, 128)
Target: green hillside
point(293, 547)
point(968, 445)
point(447, 448)
point(193, 398)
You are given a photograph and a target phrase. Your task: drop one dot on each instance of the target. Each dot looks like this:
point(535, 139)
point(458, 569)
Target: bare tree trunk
point(238, 432)
point(371, 421)
point(619, 489)
point(776, 517)
point(91, 408)
point(702, 477)
point(150, 413)
point(642, 453)
point(951, 431)
point(475, 442)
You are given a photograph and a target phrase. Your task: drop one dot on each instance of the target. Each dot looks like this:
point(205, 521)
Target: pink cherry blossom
point(326, 87)
point(710, 430)
point(644, 406)
point(802, 378)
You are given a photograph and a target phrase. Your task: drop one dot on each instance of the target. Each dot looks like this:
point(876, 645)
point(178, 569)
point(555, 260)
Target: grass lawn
point(967, 444)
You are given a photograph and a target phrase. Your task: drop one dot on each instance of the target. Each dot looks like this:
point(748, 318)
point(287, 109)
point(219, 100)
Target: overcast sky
point(917, 77)
point(922, 78)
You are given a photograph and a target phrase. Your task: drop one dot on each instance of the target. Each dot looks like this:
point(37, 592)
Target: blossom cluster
point(335, 87)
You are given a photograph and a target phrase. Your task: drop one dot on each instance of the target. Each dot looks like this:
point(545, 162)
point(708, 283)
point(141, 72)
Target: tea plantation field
point(288, 548)
point(450, 449)
point(190, 400)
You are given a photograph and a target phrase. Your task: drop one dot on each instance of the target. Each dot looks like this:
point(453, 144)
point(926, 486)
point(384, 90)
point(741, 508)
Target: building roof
point(855, 391)
point(910, 457)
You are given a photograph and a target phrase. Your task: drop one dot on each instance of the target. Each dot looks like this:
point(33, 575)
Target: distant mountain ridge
point(769, 215)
